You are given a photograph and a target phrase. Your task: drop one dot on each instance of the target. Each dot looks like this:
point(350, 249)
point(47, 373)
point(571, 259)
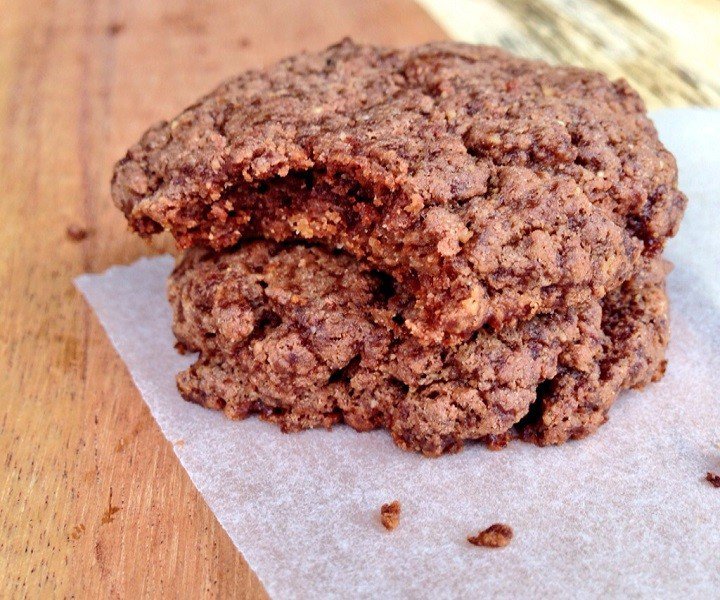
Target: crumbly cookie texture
point(490, 187)
point(306, 337)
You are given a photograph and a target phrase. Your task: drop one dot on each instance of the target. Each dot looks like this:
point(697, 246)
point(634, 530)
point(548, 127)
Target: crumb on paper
point(713, 478)
point(179, 443)
point(390, 515)
point(77, 233)
point(495, 536)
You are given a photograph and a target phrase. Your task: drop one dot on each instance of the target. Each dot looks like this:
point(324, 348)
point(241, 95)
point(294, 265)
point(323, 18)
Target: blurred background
point(667, 49)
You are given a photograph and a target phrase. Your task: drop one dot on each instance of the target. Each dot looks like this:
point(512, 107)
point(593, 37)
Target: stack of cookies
point(446, 241)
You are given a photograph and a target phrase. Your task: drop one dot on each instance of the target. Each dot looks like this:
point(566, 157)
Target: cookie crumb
point(77, 233)
point(495, 536)
point(115, 28)
point(713, 478)
point(109, 514)
point(390, 515)
point(498, 441)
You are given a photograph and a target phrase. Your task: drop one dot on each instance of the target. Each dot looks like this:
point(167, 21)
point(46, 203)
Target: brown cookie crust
point(307, 338)
point(490, 187)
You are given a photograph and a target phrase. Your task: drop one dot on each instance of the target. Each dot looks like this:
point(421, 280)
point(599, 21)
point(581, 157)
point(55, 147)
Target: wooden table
point(93, 502)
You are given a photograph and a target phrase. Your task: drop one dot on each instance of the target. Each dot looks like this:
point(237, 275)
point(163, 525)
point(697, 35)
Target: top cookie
point(490, 187)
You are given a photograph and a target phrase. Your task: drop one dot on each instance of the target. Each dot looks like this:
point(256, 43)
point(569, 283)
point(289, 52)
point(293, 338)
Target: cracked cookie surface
point(306, 337)
point(491, 188)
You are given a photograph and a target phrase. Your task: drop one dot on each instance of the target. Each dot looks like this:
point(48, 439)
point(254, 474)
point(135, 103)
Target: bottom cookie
point(307, 338)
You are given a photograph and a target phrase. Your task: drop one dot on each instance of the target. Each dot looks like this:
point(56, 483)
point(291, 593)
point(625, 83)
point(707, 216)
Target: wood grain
point(93, 502)
point(667, 50)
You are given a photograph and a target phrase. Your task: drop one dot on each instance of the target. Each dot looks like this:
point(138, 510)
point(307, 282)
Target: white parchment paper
point(624, 512)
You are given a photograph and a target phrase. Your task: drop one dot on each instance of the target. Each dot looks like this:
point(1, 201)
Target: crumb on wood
point(390, 515)
point(713, 478)
point(495, 536)
point(77, 532)
point(114, 28)
point(120, 446)
point(77, 233)
point(243, 42)
point(110, 512)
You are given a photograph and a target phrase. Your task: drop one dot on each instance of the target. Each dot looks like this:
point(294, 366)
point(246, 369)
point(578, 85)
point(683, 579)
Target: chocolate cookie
point(307, 337)
point(491, 188)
